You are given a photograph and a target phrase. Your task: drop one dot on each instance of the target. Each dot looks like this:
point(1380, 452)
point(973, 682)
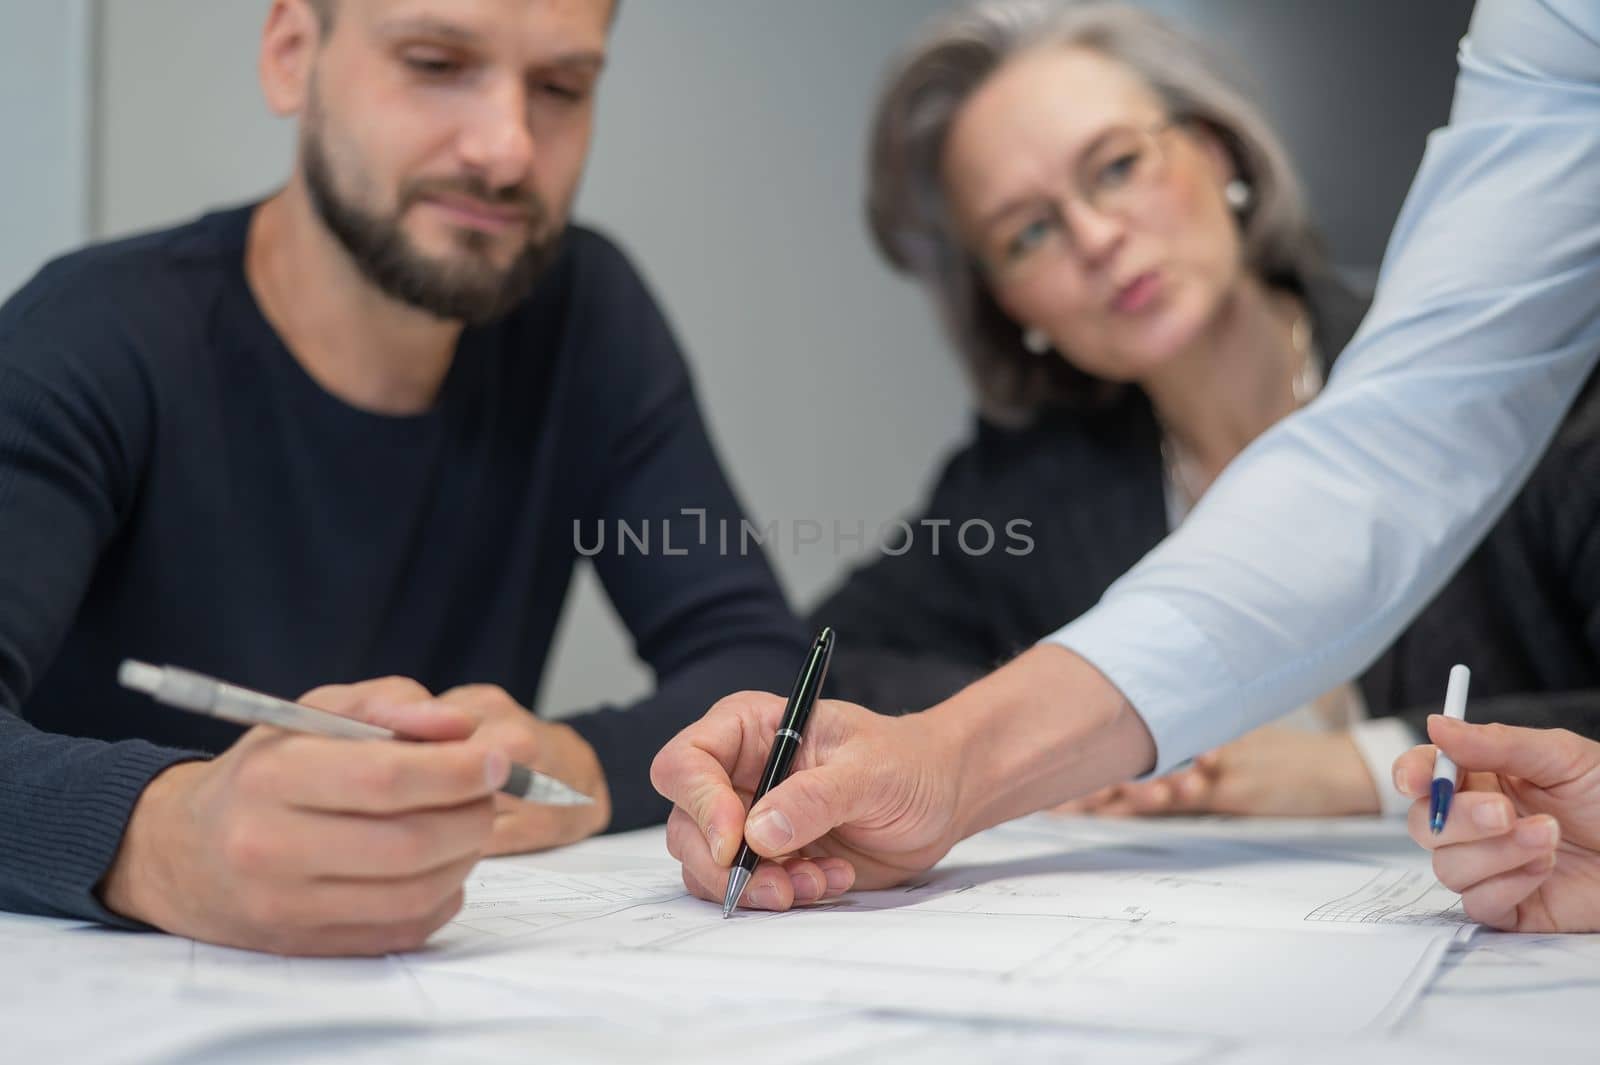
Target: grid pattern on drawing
point(499, 909)
point(1396, 897)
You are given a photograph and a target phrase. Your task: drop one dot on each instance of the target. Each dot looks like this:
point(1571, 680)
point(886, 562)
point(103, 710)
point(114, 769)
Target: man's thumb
point(801, 810)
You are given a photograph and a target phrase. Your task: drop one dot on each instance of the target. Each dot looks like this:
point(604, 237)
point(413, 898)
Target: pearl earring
point(1035, 341)
point(1238, 193)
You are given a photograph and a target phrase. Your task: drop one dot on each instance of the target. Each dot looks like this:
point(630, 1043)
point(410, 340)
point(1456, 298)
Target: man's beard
point(470, 288)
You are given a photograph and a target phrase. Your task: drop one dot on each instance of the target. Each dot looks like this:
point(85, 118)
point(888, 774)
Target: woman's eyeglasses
point(1116, 178)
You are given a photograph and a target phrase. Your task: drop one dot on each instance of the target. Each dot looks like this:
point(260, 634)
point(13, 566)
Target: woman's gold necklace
point(1181, 467)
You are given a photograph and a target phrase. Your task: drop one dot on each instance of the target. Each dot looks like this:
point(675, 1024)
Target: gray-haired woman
point(1121, 252)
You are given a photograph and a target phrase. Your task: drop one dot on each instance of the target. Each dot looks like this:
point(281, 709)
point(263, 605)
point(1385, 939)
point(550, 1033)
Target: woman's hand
point(1522, 842)
point(1271, 772)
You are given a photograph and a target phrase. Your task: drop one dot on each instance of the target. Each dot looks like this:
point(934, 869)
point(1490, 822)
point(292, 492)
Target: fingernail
point(1492, 817)
point(770, 831)
point(1402, 783)
point(765, 896)
point(1539, 833)
point(496, 769)
point(806, 888)
point(838, 877)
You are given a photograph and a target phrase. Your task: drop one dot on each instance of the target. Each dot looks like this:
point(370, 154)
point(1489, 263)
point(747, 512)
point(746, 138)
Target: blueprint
point(1182, 942)
point(1046, 920)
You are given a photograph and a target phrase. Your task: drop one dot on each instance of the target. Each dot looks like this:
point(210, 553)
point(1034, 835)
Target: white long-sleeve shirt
point(1331, 531)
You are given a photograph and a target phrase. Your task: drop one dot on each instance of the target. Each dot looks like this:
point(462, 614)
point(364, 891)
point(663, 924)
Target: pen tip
point(1437, 825)
point(738, 877)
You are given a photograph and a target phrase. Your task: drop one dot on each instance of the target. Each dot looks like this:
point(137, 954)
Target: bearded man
point(353, 432)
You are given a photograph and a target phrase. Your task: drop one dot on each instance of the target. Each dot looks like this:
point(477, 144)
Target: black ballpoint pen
point(785, 745)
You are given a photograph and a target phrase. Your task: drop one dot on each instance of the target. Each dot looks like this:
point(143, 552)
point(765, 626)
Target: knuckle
point(698, 886)
point(749, 705)
point(327, 696)
point(466, 773)
point(259, 774)
point(284, 944)
point(701, 803)
point(394, 686)
point(406, 847)
point(661, 769)
point(481, 699)
point(415, 902)
point(1577, 752)
point(675, 830)
point(476, 822)
point(246, 847)
point(1499, 734)
point(1416, 825)
point(1472, 904)
point(1447, 873)
point(366, 942)
point(411, 934)
point(265, 909)
point(380, 777)
point(451, 906)
point(1488, 907)
point(826, 792)
point(408, 936)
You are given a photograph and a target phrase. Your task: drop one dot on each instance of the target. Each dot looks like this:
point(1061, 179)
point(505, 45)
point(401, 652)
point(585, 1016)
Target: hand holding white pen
point(303, 844)
point(308, 844)
point(1522, 844)
point(200, 694)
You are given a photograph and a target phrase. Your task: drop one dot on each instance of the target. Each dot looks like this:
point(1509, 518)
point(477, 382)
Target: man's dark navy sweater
point(175, 488)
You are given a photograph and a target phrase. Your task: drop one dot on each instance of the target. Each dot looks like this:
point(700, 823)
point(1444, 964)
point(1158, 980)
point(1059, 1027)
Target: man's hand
point(870, 801)
point(1522, 842)
point(876, 800)
point(302, 844)
point(548, 747)
point(1271, 772)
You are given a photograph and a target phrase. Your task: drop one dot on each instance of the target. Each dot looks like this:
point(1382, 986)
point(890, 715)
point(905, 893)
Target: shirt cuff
point(1381, 741)
point(1165, 668)
point(70, 835)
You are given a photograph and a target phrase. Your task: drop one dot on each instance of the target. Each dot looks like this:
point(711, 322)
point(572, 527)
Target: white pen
point(1444, 770)
point(200, 694)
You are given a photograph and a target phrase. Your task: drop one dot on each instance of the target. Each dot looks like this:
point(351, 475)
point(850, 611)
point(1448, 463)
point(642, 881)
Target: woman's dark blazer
point(1523, 612)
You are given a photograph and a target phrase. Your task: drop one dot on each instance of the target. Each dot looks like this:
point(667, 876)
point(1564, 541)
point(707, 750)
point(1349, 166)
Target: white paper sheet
point(1531, 991)
point(1041, 921)
point(1167, 943)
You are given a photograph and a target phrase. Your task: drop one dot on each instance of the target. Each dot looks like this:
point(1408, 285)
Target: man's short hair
point(324, 10)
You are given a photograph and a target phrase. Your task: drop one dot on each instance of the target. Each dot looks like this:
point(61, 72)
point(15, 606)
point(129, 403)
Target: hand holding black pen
point(785, 745)
point(872, 799)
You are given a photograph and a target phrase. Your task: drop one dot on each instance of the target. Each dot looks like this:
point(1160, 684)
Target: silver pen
point(201, 694)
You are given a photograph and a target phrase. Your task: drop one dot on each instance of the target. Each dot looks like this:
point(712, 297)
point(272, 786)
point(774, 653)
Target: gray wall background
point(45, 126)
point(729, 162)
point(1353, 86)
